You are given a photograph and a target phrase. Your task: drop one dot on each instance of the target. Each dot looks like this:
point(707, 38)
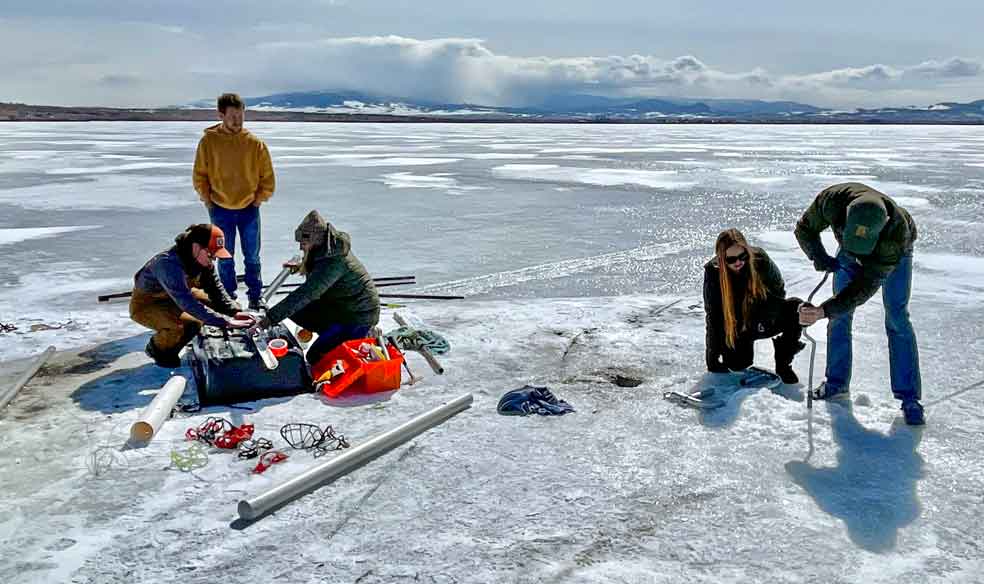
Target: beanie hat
point(313, 229)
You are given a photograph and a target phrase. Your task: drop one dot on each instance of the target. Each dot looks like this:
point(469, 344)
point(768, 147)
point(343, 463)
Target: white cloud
point(466, 70)
point(177, 62)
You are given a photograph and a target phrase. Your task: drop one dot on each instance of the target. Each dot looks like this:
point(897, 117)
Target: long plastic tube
point(326, 472)
point(25, 377)
point(155, 414)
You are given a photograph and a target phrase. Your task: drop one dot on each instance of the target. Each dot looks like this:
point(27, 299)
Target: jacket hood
point(338, 244)
point(218, 131)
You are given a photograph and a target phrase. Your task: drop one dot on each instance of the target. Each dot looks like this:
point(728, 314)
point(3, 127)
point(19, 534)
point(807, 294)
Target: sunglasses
point(742, 257)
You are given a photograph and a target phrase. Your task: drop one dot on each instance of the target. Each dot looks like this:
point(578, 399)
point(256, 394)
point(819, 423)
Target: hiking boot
point(162, 359)
point(784, 359)
point(823, 391)
point(786, 374)
point(913, 412)
point(257, 304)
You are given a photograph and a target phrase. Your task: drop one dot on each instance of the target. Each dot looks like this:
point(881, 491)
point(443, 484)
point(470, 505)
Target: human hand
point(246, 316)
point(809, 314)
point(825, 264)
point(237, 323)
point(258, 325)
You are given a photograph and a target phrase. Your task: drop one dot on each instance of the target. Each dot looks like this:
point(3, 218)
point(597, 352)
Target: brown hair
point(754, 289)
point(227, 100)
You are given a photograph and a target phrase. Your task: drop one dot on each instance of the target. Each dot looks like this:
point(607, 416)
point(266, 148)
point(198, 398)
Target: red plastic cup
point(278, 347)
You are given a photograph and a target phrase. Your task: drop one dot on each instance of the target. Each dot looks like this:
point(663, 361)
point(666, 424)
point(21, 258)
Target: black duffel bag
point(228, 368)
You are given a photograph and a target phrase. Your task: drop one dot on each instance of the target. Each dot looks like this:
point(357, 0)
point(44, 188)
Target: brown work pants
point(174, 327)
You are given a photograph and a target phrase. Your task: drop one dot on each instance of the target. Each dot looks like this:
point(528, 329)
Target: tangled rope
point(209, 430)
point(189, 459)
point(268, 459)
point(303, 436)
point(220, 433)
point(408, 339)
point(253, 447)
point(103, 459)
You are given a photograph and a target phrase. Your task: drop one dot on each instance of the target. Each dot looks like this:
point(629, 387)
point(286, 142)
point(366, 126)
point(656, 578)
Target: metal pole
point(813, 343)
point(272, 288)
point(25, 377)
point(326, 472)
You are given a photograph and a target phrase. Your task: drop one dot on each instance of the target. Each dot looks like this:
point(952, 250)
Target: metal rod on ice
point(25, 377)
point(321, 474)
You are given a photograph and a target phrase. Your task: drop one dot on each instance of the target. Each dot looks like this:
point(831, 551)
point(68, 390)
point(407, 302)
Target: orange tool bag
point(358, 367)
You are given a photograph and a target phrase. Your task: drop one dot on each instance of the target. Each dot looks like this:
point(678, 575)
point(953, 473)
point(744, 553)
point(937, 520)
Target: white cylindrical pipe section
point(311, 479)
point(155, 414)
point(18, 385)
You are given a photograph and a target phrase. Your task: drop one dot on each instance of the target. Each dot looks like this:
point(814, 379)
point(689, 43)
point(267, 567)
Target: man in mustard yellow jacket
point(234, 176)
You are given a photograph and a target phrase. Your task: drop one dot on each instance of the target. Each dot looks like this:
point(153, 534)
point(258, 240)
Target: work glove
point(825, 263)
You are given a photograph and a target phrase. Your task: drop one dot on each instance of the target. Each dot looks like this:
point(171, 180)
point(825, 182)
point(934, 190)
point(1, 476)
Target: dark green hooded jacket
point(338, 289)
point(896, 239)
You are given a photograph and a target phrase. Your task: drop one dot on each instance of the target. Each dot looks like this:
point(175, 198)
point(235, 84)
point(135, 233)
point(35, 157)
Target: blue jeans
point(247, 222)
point(903, 354)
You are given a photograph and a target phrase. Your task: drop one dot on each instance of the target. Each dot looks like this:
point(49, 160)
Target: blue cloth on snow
point(532, 400)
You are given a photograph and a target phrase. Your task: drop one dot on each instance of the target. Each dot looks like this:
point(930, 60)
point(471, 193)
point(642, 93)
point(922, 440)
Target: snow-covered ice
point(576, 275)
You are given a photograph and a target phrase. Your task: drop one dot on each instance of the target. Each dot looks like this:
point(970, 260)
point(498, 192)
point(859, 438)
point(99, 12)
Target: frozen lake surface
point(571, 242)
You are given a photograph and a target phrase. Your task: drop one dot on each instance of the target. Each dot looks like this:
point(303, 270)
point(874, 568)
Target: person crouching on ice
point(745, 300)
point(178, 290)
point(337, 300)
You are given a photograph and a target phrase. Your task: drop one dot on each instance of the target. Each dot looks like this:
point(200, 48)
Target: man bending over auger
point(876, 237)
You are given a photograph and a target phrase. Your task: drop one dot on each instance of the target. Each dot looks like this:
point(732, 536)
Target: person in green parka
point(876, 238)
point(338, 299)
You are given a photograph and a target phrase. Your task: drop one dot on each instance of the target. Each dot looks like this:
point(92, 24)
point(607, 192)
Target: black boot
point(784, 359)
point(168, 360)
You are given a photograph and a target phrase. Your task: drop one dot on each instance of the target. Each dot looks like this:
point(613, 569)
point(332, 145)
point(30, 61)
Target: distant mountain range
point(353, 106)
point(582, 107)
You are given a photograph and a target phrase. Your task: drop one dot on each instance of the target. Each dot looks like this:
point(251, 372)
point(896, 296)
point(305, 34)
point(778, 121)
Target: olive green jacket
point(338, 289)
point(896, 240)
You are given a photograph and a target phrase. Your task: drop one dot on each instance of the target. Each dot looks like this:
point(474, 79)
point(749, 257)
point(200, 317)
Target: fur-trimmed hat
point(312, 229)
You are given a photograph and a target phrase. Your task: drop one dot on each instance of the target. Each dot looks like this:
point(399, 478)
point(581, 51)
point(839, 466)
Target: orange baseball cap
point(216, 244)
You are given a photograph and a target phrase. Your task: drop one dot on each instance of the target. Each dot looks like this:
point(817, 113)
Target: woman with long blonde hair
point(745, 300)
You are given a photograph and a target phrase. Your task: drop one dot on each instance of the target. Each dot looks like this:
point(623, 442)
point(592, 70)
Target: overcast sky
point(835, 53)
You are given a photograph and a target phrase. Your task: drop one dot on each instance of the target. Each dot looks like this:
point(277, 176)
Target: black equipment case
point(228, 369)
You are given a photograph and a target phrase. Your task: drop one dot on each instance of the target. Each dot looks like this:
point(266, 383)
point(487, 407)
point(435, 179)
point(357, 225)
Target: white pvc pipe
point(326, 472)
point(8, 395)
point(155, 414)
